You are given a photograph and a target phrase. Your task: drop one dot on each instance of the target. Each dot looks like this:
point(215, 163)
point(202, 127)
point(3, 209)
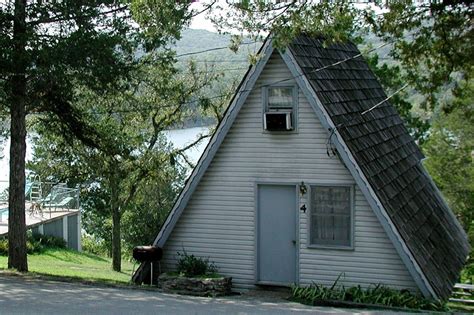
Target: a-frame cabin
point(312, 175)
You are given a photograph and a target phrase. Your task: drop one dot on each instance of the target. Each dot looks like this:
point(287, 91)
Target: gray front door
point(276, 230)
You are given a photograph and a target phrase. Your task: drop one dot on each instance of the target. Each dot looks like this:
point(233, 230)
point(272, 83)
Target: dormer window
point(279, 108)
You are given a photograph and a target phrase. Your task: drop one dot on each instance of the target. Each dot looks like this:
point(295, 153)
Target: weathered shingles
point(387, 155)
point(424, 221)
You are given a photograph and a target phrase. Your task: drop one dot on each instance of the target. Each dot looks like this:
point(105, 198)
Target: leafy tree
point(143, 216)
point(48, 48)
point(338, 20)
point(151, 205)
point(450, 152)
point(45, 48)
point(132, 118)
point(433, 41)
point(96, 217)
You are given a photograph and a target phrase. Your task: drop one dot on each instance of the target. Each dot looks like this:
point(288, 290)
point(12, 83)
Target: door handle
point(294, 242)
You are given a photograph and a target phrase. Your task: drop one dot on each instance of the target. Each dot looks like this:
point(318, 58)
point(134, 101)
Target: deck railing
point(463, 293)
point(42, 198)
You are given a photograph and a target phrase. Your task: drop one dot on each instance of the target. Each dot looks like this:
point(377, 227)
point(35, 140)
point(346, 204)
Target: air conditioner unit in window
point(277, 121)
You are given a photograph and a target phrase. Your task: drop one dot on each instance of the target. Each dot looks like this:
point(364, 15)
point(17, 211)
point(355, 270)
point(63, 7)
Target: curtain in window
point(280, 97)
point(330, 215)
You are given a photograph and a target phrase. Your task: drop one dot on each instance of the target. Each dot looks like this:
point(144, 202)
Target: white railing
point(42, 198)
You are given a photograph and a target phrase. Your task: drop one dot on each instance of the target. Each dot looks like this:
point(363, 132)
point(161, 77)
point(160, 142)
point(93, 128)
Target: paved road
point(32, 296)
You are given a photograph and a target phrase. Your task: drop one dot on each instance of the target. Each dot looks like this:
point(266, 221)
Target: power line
point(386, 99)
point(217, 70)
point(329, 146)
point(278, 81)
point(211, 49)
point(220, 61)
point(266, 84)
point(282, 80)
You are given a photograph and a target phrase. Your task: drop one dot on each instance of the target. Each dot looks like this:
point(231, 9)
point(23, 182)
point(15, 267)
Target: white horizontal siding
point(218, 221)
point(373, 260)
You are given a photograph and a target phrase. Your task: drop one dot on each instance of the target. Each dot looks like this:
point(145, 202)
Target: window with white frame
point(331, 216)
point(280, 108)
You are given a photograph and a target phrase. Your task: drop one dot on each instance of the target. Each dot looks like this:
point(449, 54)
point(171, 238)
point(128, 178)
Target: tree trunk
point(115, 208)
point(16, 200)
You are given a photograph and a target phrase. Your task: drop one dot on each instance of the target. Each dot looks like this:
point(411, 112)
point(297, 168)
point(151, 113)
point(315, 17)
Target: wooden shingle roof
point(387, 155)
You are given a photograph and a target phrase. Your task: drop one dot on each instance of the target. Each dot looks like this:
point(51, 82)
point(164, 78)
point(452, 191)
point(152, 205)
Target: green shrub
point(192, 266)
point(47, 241)
point(34, 247)
point(35, 243)
point(375, 294)
point(3, 247)
point(94, 245)
point(467, 274)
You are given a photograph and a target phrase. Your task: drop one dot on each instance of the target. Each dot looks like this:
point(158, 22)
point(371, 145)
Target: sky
point(5, 160)
point(199, 21)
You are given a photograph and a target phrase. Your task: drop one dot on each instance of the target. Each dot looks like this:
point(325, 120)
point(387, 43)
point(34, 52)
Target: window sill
point(333, 247)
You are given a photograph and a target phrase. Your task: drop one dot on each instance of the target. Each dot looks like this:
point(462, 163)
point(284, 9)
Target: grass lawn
point(69, 263)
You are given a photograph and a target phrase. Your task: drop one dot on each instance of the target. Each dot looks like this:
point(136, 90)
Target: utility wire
point(211, 49)
point(141, 110)
point(274, 82)
point(220, 61)
point(329, 146)
point(386, 99)
point(214, 70)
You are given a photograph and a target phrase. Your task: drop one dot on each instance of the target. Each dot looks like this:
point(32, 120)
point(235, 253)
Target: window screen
point(331, 222)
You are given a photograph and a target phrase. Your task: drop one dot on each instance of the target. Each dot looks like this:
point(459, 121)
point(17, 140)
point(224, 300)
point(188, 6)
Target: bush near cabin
point(193, 266)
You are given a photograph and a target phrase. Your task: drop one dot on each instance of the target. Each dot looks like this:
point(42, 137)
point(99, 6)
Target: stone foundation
point(195, 286)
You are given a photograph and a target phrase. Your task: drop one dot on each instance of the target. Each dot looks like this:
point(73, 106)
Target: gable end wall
point(219, 220)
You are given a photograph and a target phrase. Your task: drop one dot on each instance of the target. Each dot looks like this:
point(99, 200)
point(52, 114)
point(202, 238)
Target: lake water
point(179, 137)
point(183, 137)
